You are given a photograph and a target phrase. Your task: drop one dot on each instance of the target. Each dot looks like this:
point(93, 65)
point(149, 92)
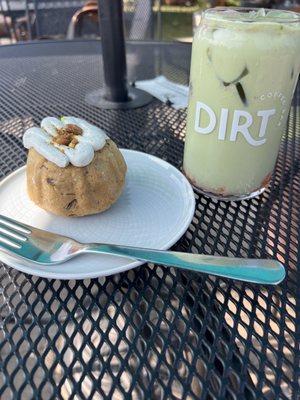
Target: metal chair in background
point(138, 20)
point(7, 28)
point(34, 20)
point(50, 17)
point(89, 12)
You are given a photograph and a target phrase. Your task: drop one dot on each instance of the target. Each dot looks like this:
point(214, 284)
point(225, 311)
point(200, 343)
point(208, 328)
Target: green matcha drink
point(244, 70)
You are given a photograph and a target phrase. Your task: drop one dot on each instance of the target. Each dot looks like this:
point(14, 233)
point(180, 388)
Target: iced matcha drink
point(244, 70)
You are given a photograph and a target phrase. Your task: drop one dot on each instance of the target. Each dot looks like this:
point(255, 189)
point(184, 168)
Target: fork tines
point(12, 233)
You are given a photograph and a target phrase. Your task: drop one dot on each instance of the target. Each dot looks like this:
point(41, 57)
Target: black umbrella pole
point(113, 50)
point(116, 94)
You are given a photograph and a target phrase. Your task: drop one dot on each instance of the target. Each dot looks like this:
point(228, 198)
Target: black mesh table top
point(152, 332)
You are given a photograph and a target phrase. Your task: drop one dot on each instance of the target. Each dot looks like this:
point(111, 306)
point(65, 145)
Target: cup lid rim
point(245, 15)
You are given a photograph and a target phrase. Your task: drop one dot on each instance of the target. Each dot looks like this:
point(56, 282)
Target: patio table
point(152, 332)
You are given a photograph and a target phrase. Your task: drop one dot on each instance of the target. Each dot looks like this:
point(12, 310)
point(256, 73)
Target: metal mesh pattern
point(153, 332)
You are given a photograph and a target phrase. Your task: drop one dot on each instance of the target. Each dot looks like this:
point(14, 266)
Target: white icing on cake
point(41, 139)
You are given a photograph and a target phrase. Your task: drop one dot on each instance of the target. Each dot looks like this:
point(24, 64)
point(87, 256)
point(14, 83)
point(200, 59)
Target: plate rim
point(12, 262)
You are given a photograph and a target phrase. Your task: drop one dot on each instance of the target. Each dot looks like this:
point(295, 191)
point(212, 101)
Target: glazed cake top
point(66, 140)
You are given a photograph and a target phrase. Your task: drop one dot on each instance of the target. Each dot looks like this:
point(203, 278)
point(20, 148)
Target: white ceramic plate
point(154, 211)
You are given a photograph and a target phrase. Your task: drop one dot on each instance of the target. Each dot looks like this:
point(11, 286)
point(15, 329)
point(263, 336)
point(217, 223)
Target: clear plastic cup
point(244, 70)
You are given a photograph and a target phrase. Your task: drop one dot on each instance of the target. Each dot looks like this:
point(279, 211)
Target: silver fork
point(48, 248)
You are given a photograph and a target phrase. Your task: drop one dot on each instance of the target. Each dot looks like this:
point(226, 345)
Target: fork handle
point(262, 271)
